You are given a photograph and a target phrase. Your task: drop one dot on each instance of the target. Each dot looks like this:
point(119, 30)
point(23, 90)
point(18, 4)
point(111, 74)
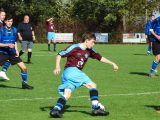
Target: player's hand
point(115, 67)
point(151, 30)
point(56, 71)
point(11, 45)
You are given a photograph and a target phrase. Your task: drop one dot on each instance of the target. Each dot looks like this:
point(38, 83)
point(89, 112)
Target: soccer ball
point(101, 106)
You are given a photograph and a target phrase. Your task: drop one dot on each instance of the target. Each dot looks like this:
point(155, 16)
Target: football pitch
point(128, 94)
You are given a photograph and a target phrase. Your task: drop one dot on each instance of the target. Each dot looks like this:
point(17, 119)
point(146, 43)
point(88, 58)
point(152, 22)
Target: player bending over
point(72, 76)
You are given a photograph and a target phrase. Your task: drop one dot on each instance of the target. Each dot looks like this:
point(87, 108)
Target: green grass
point(119, 92)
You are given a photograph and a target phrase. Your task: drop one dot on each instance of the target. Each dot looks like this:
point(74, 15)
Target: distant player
point(155, 45)
point(9, 50)
point(26, 35)
point(7, 63)
point(51, 33)
point(73, 77)
point(148, 34)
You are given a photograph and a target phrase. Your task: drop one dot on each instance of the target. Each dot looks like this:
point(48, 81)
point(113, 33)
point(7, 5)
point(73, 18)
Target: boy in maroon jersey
point(2, 17)
point(51, 33)
point(72, 76)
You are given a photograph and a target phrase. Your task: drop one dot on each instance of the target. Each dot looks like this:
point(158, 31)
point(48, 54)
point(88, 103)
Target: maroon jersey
point(1, 24)
point(77, 56)
point(50, 27)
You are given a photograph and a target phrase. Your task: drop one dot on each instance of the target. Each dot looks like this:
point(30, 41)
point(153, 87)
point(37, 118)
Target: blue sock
point(60, 103)
point(6, 66)
point(49, 47)
point(154, 66)
point(94, 97)
point(149, 48)
point(54, 46)
point(24, 77)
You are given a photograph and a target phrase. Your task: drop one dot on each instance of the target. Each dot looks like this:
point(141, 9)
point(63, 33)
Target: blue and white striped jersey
point(8, 36)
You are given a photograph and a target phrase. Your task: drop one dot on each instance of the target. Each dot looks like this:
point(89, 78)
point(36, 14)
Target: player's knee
point(67, 93)
point(24, 68)
point(29, 50)
point(92, 85)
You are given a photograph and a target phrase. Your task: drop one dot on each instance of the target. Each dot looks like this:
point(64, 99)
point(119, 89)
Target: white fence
point(134, 38)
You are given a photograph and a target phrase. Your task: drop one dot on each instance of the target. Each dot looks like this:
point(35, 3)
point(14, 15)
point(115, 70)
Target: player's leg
point(54, 41)
point(4, 69)
point(24, 75)
point(3, 59)
point(156, 52)
point(65, 90)
point(49, 37)
point(154, 65)
point(57, 109)
point(24, 48)
point(96, 108)
point(30, 45)
point(149, 48)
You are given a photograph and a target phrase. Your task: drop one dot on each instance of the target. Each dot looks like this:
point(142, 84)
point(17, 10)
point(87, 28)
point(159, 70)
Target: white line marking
point(44, 55)
point(51, 98)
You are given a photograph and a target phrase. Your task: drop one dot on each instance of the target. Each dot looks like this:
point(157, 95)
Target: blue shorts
point(51, 36)
point(73, 78)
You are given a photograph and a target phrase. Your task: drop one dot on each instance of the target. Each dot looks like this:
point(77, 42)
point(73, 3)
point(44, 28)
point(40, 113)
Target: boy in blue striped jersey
point(7, 63)
point(9, 50)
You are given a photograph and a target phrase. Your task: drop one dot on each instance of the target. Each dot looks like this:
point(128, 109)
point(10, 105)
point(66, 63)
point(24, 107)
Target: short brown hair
point(88, 35)
point(2, 10)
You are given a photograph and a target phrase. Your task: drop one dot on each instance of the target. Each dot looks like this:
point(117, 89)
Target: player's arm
point(7, 45)
point(33, 35)
point(16, 47)
point(153, 33)
point(19, 36)
point(19, 29)
point(57, 68)
point(105, 60)
point(49, 19)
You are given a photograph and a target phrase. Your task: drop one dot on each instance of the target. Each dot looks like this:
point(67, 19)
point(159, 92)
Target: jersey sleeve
point(67, 52)
point(95, 55)
point(147, 27)
point(16, 34)
point(0, 34)
point(19, 29)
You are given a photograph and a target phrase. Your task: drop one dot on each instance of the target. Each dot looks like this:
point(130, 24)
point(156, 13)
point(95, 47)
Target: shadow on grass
point(46, 50)
point(65, 109)
point(5, 86)
point(141, 54)
point(140, 73)
point(3, 80)
point(155, 107)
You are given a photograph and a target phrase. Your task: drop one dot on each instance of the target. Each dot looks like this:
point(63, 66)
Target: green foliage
point(85, 15)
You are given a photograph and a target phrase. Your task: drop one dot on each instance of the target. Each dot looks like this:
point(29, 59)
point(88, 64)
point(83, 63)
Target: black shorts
point(150, 39)
point(156, 48)
point(12, 59)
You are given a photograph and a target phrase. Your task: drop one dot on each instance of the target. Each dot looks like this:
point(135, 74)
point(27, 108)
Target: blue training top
point(148, 27)
point(156, 27)
point(8, 36)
